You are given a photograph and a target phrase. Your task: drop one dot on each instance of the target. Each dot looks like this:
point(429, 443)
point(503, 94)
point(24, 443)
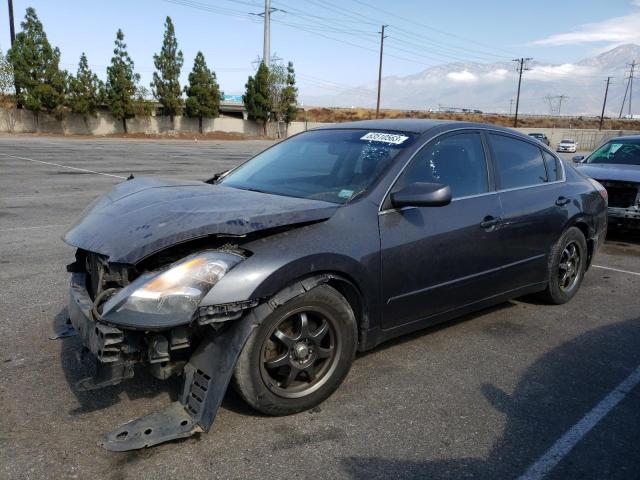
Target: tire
point(561, 289)
point(264, 371)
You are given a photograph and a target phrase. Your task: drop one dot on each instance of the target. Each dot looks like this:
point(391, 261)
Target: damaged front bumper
point(206, 371)
point(629, 216)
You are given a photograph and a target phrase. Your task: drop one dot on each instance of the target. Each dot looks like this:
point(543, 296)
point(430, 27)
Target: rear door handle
point(562, 201)
point(489, 222)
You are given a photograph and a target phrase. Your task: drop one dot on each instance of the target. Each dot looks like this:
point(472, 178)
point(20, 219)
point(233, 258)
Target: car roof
point(625, 137)
point(401, 124)
point(413, 125)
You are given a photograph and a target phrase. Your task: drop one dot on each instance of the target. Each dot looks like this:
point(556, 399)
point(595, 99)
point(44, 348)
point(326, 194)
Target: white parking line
point(563, 446)
point(616, 270)
point(15, 229)
point(63, 166)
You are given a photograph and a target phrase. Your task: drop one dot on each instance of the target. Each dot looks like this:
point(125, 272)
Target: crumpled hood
point(146, 215)
point(603, 171)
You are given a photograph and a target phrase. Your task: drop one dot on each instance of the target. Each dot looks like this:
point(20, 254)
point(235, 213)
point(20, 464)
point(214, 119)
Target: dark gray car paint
point(144, 216)
point(348, 241)
point(351, 246)
point(609, 171)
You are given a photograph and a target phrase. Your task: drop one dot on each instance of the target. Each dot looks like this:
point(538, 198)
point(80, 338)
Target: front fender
point(258, 278)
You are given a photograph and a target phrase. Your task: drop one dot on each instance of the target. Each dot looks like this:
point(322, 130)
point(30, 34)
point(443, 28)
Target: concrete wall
point(23, 121)
point(587, 139)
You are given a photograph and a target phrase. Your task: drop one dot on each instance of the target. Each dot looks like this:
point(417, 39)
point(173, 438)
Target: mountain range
point(489, 87)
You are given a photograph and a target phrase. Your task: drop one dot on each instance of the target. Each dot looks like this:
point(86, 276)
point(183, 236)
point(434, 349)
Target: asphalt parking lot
point(520, 389)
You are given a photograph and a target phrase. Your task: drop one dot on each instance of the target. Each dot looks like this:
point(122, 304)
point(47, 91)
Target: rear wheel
point(299, 355)
point(567, 264)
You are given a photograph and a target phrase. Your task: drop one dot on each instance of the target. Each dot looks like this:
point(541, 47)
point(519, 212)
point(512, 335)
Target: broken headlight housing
point(169, 297)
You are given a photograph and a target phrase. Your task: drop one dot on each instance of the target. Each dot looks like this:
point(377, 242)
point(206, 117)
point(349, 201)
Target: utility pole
point(633, 66)
point(266, 46)
point(266, 53)
point(629, 88)
point(521, 67)
point(382, 37)
point(510, 105)
point(12, 32)
point(12, 28)
point(604, 103)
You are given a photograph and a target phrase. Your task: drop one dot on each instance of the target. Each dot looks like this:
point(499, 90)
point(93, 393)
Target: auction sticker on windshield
point(385, 137)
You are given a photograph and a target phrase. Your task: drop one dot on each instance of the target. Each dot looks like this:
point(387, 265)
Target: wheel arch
point(343, 283)
point(581, 224)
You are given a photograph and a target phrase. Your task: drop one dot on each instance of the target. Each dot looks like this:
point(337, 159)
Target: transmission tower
point(629, 89)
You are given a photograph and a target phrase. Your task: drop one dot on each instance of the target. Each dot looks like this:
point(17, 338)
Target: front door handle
point(489, 222)
point(562, 201)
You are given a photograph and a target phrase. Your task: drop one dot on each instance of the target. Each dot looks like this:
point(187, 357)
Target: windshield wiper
point(216, 177)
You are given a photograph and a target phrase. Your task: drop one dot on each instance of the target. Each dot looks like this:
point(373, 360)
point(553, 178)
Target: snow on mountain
point(489, 87)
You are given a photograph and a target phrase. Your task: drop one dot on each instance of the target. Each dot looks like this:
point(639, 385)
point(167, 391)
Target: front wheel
point(299, 355)
point(567, 264)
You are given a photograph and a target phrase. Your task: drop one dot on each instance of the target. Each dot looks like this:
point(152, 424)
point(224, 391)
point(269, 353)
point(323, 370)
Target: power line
point(358, 16)
point(421, 25)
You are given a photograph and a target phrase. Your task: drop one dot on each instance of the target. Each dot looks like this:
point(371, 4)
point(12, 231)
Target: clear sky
point(333, 43)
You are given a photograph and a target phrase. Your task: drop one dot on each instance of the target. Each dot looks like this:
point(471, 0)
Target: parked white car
point(567, 145)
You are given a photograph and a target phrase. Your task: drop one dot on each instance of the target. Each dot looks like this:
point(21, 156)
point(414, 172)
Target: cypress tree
point(36, 65)
point(122, 83)
point(289, 100)
point(86, 91)
point(257, 98)
point(165, 84)
point(203, 92)
point(6, 80)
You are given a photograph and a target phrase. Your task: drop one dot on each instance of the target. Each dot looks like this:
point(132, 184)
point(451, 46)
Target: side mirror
point(577, 158)
point(422, 195)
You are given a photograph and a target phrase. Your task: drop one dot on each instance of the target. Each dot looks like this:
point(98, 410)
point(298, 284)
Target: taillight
point(601, 190)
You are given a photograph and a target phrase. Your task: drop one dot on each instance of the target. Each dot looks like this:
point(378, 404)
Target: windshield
point(329, 165)
point(622, 152)
point(567, 140)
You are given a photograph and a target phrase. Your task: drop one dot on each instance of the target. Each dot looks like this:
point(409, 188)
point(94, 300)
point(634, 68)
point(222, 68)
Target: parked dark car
point(541, 137)
point(616, 165)
point(330, 242)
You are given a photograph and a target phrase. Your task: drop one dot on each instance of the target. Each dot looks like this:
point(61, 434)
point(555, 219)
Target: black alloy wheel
point(567, 266)
point(299, 355)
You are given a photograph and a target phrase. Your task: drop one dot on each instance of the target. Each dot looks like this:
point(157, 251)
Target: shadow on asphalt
point(553, 394)
point(429, 330)
point(622, 236)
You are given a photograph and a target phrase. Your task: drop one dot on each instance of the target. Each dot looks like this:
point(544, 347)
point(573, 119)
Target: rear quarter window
point(519, 163)
point(554, 170)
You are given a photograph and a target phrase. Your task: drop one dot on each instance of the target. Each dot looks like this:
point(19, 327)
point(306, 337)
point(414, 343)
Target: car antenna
point(130, 177)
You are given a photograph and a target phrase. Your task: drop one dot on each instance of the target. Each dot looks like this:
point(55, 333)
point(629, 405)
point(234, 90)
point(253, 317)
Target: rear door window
point(519, 163)
point(456, 160)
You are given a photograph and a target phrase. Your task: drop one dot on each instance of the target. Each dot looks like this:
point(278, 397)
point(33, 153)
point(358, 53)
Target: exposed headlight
point(169, 297)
